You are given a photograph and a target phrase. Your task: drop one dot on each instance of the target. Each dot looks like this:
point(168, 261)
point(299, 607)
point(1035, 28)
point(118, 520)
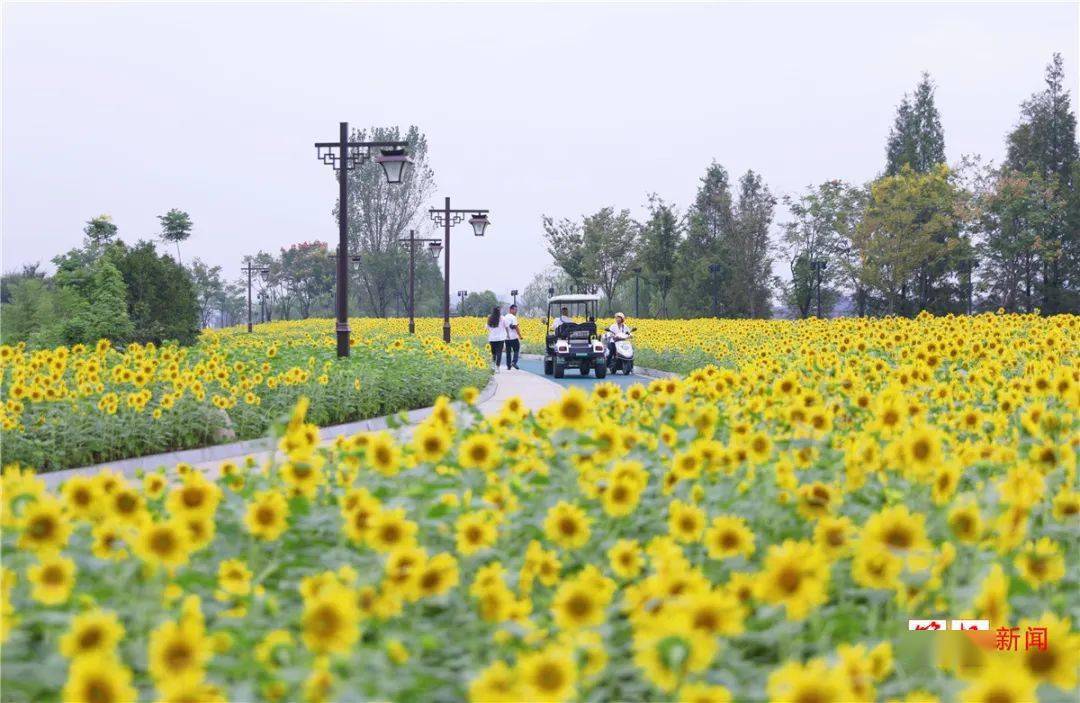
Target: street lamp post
point(714, 271)
point(447, 218)
point(817, 266)
point(344, 156)
point(434, 246)
point(514, 293)
point(249, 270)
point(462, 294)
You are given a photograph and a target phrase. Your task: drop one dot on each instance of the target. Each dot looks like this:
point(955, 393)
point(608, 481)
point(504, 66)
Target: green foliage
point(175, 227)
point(822, 222)
point(710, 228)
point(908, 239)
point(480, 303)
point(161, 299)
point(916, 139)
point(610, 240)
point(308, 271)
point(533, 300)
point(566, 245)
point(1045, 139)
point(100, 230)
point(105, 313)
point(64, 435)
point(380, 215)
point(29, 311)
point(1043, 146)
point(208, 287)
point(747, 259)
point(659, 247)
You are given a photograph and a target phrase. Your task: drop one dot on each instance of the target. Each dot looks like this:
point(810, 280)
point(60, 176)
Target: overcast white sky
point(133, 109)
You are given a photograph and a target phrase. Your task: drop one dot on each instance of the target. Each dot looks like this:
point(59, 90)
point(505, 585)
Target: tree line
point(921, 236)
point(104, 289)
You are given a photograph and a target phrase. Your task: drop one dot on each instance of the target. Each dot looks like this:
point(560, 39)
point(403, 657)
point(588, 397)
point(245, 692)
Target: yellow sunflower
point(100, 678)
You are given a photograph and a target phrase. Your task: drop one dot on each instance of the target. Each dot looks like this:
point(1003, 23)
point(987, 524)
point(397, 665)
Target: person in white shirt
point(563, 318)
point(496, 325)
point(619, 330)
point(513, 338)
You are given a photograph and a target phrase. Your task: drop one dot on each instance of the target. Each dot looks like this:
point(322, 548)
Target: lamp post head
point(637, 270)
point(394, 163)
point(714, 268)
point(514, 292)
point(435, 248)
point(479, 223)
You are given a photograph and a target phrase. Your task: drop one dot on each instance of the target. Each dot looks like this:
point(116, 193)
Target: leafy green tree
point(566, 245)
point(610, 240)
point(161, 299)
point(659, 248)
point(105, 316)
point(1045, 139)
point(175, 227)
point(28, 310)
point(822, 220)
point(908, 239)
point(380, 214)
point(533, 300)
point(308, 270)
point(480, 303)
point(9, 279)
point(917, 138)
point(710, 231)
point(1044, 144)
point(207, 284)
point(100, 230)
point(1016, 213)
point(748, 257)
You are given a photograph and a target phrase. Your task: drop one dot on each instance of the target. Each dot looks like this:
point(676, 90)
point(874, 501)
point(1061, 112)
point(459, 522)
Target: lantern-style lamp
point(479, 223)
point(394, 162)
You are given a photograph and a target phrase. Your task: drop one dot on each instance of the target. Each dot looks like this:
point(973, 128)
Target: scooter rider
point(618, 331)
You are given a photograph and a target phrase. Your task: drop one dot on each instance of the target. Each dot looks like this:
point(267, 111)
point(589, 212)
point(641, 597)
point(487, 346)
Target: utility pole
point(249, 270)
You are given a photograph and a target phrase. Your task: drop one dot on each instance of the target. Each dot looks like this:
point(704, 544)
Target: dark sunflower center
point(898, 537)
point(90, 637)
point(193, 497)
point(550, 677)
point(163, 542)
point(178, 656)
point(789, 580)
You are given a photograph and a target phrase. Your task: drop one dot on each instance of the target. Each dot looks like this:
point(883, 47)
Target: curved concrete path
point(534, 391)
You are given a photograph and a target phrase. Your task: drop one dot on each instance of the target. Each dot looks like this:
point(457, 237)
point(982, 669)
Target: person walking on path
point(513, 338)
point(496, 325)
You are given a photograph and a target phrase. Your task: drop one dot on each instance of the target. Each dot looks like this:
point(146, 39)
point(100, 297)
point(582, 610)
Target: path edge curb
point(221, 452)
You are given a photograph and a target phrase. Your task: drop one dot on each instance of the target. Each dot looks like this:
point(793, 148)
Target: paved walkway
point(534, 391)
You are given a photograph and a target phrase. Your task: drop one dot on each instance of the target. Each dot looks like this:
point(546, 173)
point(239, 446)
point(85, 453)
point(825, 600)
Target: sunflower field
point(760, 529)
point(79, 405)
